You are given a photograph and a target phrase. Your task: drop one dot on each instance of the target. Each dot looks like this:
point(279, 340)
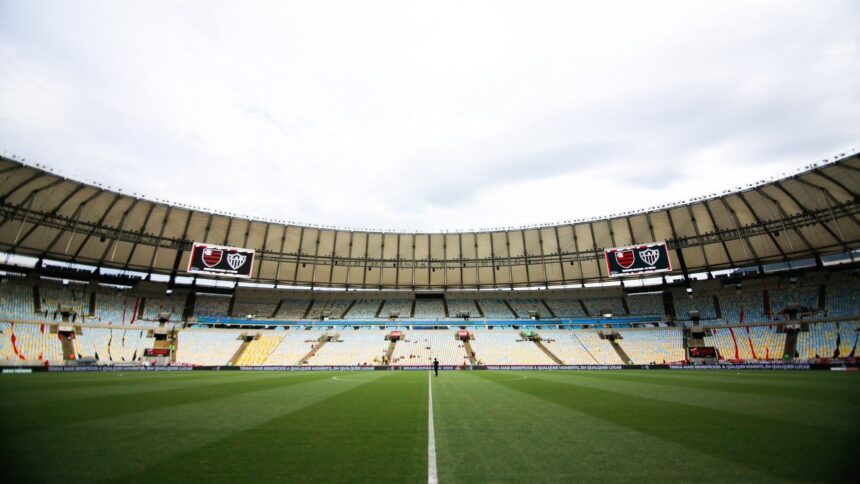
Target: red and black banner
point(220, 260)
point(637, 259)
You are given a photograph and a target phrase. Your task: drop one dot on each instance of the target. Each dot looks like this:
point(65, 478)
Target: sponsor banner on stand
point(221, 260)
point(637, 259)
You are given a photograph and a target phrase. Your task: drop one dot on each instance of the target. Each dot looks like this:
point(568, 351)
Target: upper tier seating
point(402, 306)
point(646, 305)
point(495, 309)
point(429, 309)
point(335, 307)
point(704, 303)
point(752, 302)
point(364, 309)
point(172, 304)
point(293, 309)
point(259, 310)
point(457, 306)
point(523, 306)
point(566, 308)
point(843, 298)
point(597, 305)
point(211, 306)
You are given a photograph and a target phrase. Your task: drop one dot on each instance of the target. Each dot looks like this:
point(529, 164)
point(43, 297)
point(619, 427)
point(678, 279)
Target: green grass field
point(373, 426)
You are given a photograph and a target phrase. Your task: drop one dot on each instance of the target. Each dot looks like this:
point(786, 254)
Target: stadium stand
point(495, 309)
point(207, 347)
point(653, 346)
point(364, 309)
point(255, 309)
point(506, 347)
point(704, 303)
point(401, 306)
point(566, 308)
point(353, 348)
point(420, 347)
point(458, 306)
point(259, 349)
point(646, 304)
point(429, 309)
point(292, 309)
point(211, 306)
point(294, 346)
point(597, 305)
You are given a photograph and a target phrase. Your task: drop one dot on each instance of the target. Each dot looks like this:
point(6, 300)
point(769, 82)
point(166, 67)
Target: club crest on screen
point(650, 256)
point(625, 258)
point(211, 257)
point(236, 261)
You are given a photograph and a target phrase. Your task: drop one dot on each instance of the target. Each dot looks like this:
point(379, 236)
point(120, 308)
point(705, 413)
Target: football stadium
point(714, 339)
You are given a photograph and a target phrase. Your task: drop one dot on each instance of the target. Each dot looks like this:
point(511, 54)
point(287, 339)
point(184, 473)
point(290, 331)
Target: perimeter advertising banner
point(637, 259)
point(219, 260)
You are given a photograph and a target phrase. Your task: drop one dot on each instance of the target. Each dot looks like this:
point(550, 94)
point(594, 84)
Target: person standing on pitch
point(436, 366)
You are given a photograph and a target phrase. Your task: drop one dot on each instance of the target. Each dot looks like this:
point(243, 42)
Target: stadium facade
point(765, 272)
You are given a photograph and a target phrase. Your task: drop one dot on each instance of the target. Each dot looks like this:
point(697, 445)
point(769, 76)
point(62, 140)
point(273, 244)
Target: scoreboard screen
point(220, 260)
point(637, 259)
point(703, 352)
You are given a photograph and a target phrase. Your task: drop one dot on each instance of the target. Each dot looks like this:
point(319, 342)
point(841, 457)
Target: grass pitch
point(372, 426)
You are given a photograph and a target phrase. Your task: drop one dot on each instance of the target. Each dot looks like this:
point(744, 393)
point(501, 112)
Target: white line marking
point(432, 478)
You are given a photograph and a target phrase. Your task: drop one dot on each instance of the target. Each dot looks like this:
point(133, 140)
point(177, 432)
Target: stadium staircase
point(390, 350)
point(37, 300)
point(92, 307)
point(277, 308)
point(238, 353)
point(308, 309)
point(621, 353)
point(379, 309)
point(549, 309)
point(320, 342)
point(516, 316)
point(790, 344)
point(348, 309)
point(232, 304)
point(585, 348)
point(412, 311)
point(445, 305)
point(584, 309)
point(68, 348)
point(548, 352)
point(735, 343)
point(479, 308)
point(469, 352)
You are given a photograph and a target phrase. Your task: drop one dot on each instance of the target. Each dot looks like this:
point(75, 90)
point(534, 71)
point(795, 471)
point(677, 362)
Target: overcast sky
point(428, 115)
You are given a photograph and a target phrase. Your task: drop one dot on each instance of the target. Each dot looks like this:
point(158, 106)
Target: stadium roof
point(809, 214)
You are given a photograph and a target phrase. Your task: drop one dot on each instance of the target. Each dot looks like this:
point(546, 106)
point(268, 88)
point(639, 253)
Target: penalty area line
point(432, 477)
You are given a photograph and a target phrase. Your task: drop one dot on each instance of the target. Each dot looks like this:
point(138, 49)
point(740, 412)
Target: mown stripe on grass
point(58, 390)
point(739, 384)
point(51, 414)
point(488, 432)
point(373, 433)
point(779, 449)
point(836, 413)
point(112, 447)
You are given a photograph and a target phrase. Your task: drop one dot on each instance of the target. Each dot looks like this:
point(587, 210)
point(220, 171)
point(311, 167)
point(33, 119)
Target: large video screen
point(638, 259)
point(220, 260)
